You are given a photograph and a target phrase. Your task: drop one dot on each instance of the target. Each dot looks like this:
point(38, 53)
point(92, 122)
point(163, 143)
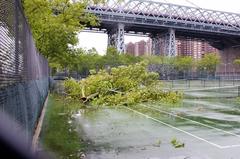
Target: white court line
point(230, 146)
point(208, 126)
point(173, 127)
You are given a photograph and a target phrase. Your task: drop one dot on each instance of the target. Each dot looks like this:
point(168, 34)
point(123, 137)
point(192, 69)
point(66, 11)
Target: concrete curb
point(39, 126)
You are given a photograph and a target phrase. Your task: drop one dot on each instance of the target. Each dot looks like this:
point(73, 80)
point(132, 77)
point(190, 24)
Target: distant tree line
point(183, 65)
point(83, 61)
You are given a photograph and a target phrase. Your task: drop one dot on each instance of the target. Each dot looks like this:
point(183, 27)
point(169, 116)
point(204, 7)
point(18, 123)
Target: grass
point(58, 136)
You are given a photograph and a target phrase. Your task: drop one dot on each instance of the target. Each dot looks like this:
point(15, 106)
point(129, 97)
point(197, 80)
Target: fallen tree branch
point(90, 97)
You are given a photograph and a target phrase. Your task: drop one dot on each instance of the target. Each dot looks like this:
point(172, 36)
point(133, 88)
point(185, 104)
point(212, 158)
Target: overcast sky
point(99, 40)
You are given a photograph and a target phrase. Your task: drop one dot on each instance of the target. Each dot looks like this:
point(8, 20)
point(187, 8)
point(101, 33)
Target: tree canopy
point(154, 59)
point(179, 63)
point(123, 85)
point(55, 25)
point(183, 63)
point(236, 62)
point(114, 58)
point(84, 61)
point(209, 62)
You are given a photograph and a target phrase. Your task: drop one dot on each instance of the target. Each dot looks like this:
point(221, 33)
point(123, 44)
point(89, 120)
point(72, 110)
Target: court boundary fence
point(24, 73)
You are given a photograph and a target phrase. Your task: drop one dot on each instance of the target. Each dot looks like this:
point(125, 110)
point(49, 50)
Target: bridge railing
point(23, 71)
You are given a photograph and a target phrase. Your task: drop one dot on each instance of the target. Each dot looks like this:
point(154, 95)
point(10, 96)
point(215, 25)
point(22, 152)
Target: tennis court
point(208, 125)
point(186, 84)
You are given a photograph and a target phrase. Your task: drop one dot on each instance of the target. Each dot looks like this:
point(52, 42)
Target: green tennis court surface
point(208, 127)
point(199, 84)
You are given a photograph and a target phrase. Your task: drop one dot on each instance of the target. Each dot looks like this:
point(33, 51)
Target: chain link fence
point(24, 73)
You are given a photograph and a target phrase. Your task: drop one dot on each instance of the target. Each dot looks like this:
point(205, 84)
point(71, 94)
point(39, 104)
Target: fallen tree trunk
point(115, 91)
point(90, 97)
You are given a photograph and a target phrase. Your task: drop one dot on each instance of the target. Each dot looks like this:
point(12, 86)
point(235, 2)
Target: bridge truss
point(159, 17)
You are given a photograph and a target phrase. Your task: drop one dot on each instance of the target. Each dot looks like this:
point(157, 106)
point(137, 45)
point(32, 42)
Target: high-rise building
point(194, 48)
point(139, 48)
point(130, 48)
point(148, 47)
point(185, 47)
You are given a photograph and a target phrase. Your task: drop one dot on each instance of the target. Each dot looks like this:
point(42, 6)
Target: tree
point(183, 64)
point(83, 61)
point(153, 59)
point(113, 58)
point(160, 60)
point(236, 62)
point(125, 85)
point(209, 63)
point(130, 59)
point(55, 25)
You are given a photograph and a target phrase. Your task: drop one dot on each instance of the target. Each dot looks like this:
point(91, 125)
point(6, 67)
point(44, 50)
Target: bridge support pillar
point(164, 44)
point(169, 43)
point(116, 38)
point(155, 45)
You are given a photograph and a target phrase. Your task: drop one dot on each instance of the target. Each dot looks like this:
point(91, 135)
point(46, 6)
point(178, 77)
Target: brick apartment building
point(194, 48)
point(139, 48)
point(187, 47)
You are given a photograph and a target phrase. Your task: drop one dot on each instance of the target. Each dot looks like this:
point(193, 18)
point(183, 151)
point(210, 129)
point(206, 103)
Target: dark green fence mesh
point(23, 72)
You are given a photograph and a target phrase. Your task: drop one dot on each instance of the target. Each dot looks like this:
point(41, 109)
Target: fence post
point(16, 27)
point(238, 91)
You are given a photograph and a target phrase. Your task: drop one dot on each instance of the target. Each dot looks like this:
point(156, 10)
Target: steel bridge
point(163, 22)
